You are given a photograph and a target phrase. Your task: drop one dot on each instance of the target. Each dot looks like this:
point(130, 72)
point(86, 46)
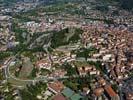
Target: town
point(66, 50)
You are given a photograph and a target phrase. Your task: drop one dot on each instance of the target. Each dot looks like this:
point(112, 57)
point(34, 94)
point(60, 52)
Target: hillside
point(124, 4)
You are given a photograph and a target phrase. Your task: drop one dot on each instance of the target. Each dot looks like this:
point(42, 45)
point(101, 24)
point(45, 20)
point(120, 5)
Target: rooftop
point(67, 92)
point(56, 86)
point(110, 91)
point(59, 97)
point(76, 97)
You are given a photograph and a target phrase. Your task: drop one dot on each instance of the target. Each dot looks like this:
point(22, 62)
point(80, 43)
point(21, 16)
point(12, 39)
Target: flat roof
point(67, 92)
point(76, 97)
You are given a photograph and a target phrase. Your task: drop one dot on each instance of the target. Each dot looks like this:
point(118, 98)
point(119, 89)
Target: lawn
point(18, 83)
point(26, 68)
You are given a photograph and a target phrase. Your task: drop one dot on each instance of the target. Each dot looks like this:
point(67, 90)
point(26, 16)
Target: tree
point(4, 55)
point(115, 87)
point(31, 91)
point(70, 70)
point(127, 4)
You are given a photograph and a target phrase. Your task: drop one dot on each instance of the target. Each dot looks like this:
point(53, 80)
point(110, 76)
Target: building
point(76, 97)
point(102, 82)
point(59, 97)
point(98, 91)
point(67, 92)
point(111, 93)
point(43, 64)
point(129, 96)
point(55, 87)
point(71, 95)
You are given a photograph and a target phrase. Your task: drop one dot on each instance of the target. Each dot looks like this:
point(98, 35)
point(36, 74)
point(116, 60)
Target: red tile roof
point(110, 91)
point(59, 97)
point(56, 86)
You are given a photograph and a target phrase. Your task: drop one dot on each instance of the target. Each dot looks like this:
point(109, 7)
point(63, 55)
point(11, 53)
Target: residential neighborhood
point(66, 50)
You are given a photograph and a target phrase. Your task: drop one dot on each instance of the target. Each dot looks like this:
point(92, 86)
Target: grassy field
point(18, 83)
point(26, 68)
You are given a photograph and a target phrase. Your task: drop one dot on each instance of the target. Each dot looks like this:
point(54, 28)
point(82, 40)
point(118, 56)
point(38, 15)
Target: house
point(67, 92)
point(86, 90)
point(129, 96)
point(46, 94)
point(71, 95)
point(111, 93)
point(43, 64)
point(96, 55)
point(94, 72)
point(102, 82)
point(107, 57)
point(88, 70)
point(76, 97)
point(55, 87)
point(84, 70)
point(39, 97)
point(58, 73)
point(59, 97)
point(98, 91)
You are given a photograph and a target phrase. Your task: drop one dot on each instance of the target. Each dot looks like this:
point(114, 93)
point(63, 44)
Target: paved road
point(6, 66)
